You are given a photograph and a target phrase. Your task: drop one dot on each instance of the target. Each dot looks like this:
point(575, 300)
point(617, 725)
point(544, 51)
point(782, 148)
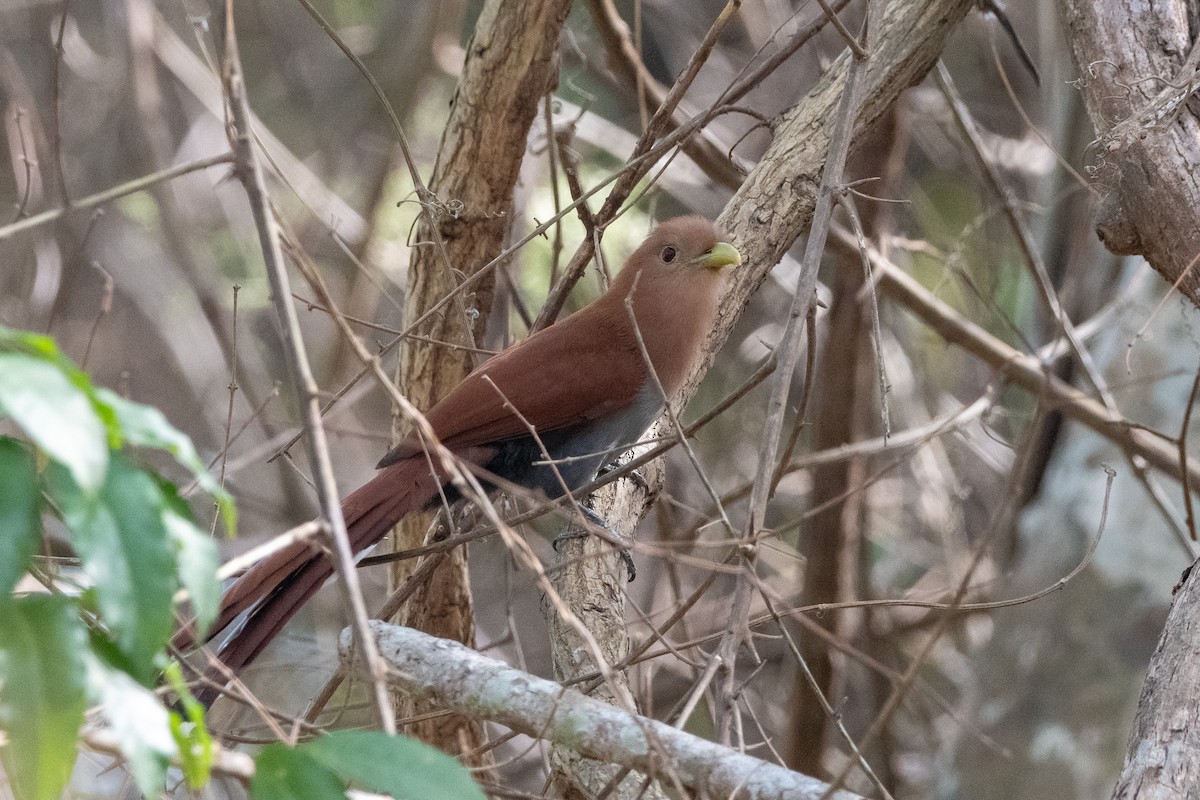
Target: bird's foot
point(595, 519)
point(632, 475)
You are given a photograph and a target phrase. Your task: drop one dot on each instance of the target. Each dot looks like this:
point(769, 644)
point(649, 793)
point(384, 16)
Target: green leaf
point(56, 413)
point(146, 426)
point(123, 543)
point(196, 556)
point(289, 773)
point(16, 341)
point(42, 694)
point(196, 749)
point(401, 767)
point(20, 511)
point(319, 770)
point(139, 721)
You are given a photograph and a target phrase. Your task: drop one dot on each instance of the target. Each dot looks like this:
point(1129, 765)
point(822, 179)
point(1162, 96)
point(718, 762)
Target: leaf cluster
point(95, 636)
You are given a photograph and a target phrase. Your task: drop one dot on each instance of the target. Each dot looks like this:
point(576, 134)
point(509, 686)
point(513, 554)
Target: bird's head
point(685, 244)
point(671, 289)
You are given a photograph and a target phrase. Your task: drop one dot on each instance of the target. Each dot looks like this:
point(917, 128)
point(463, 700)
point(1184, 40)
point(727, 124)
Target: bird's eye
point(668, 254)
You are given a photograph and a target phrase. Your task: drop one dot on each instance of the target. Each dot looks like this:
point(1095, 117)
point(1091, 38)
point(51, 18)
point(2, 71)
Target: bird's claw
point(627, 560)
point(595, 519)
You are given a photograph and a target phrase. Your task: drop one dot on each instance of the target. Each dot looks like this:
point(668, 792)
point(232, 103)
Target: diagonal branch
point(1026, 371)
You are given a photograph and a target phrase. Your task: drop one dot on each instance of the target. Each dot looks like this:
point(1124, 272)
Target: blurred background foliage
point(1032, 701)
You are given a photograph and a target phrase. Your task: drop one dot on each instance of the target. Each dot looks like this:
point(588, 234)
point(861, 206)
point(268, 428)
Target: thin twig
point(239, 564)
point(428, 201)
point(26, 160)
point(680, 433)
point(631, 175)
point(1024, 370)
point(788, 353)
point(1158, 308)
point(233, 384)
point(313, 305)
point(1082, 182)
point(56, 105)
point(1183, 456)
point(873, 306)
point(1029, 252)
point(552, 156)
point(855, 47)
point(624, 57)
point(830, 711)
point(116, 192)
point(910, 675)
point(798, 423)
point(106, 302)
point(239, 766)
point(419, 577)
point(250, 173)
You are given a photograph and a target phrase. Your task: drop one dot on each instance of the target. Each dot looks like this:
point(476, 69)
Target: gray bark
point(1137, 63)
point(456, 677)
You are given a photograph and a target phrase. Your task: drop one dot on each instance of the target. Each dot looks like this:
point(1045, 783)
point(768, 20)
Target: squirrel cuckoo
point(584, 386)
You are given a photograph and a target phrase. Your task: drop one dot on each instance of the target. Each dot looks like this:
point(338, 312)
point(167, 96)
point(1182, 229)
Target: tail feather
point(274, 589)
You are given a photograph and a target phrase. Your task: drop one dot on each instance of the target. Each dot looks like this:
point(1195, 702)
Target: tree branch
point(462, 680)
point(1027, 371)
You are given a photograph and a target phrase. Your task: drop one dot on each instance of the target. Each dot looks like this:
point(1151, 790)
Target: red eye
point(668, 254)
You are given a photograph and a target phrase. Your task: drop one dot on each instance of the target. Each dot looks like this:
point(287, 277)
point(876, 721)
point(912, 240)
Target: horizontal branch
point(461, 680)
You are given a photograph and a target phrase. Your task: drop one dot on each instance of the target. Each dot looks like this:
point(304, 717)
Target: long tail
point(275, 588)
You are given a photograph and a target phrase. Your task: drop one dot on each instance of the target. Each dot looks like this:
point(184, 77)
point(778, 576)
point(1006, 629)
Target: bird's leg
point(569, 532)
point(595, 519)
point(632, 475)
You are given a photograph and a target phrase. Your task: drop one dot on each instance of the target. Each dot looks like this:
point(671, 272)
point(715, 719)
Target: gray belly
point(576, 453)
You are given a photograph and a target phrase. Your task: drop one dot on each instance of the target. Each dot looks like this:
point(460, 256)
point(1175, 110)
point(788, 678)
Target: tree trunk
point(511, 62)
point(775, 205)
point(1138, 65)
point(591, 583)
point(1163, 760)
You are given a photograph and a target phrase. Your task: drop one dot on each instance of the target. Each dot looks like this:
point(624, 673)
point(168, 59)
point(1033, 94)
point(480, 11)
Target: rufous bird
point(582, 384)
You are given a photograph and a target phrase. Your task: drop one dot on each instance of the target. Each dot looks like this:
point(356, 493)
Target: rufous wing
point(577, 370)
